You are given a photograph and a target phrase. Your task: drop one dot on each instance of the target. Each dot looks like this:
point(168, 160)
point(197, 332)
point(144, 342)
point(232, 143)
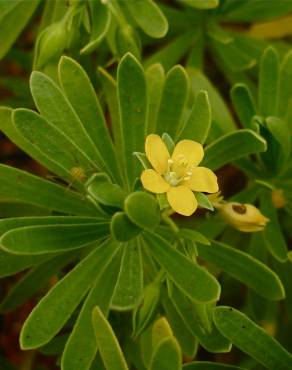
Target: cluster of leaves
point(136, 288)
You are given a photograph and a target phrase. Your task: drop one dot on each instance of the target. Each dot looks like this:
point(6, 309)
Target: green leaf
point(233, 55)
point(244, 268)
point(127, 40)
point(281, 134)
point(6, 6)
point(53, 144)
point(122, 229)
point(21, 186)
point(10, 208)
point(10, 264)
point(173, 101)
point(251, 339)
point(55, 107)
point(132, 104)
point(13, 20)
point(52, 238)
point(220, 112)
point(149, 17)
point(243, 103)
point(231, 147)
point(129, 286)
point(196, 282)
point(106, 193)
point(174, 50)
point(207, 4)
point(81, 347)
point(142, 209)
point(268, 82)
point(155, 78)
point(216, 32)
point(285, 85)
point(200, 311)
point(206, 365)
point(9, 129)
point(186, 339)
point(285, 273)
point(33, 281)
point(145, 311)
point(249, 11)
point(142, 158)
point(109, 86)
point(74, 80)
point(273, 235)
point(56, 346)
point(18, 222)
point(166, 356)
point(198, 124)
point(167, 139)
point(212, 341)
point(257, 304)
point(100, 22)
point(194, 236)
point(203, 201)
point(107, 342)
point(52, 312)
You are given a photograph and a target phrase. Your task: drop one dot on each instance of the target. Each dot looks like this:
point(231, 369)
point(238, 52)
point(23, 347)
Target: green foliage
point(136, 287)
point(251, 339)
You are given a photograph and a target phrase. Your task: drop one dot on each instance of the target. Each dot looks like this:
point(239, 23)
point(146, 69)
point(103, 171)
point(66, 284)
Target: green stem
point(165, 216)
point(29, 360)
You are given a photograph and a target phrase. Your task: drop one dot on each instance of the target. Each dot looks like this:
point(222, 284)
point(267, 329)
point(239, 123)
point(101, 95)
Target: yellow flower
point(243, 217)
point(177, 175)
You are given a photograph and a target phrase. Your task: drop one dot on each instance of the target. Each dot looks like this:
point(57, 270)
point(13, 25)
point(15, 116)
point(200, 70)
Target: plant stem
point(165, 216)
point(29, 360)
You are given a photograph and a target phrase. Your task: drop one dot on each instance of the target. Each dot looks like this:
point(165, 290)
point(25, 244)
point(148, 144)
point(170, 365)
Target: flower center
point(178, 171)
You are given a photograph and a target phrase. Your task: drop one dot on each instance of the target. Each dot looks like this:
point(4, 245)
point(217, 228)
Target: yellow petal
point(152, 181)
point(202, 179)
point(191, 151)
point(157, 153)
point(182, 200)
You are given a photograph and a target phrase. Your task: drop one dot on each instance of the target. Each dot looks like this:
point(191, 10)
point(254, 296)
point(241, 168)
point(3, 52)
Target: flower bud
point(243, 217)
point(278, 198)
point(50, 44)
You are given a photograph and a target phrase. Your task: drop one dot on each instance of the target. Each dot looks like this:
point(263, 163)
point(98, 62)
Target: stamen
point(178, 171)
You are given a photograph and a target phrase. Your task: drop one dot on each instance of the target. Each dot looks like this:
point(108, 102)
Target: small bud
point(50, 44)
point(278, 198)
point(243, 217)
